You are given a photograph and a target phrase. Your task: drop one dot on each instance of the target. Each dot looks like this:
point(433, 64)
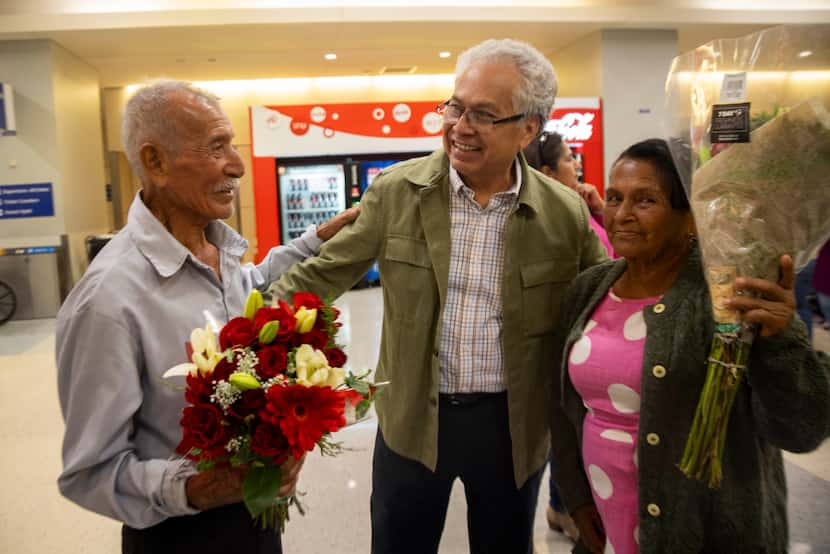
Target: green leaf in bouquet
point(358, 385)
point(260, 488)
point(361, 408)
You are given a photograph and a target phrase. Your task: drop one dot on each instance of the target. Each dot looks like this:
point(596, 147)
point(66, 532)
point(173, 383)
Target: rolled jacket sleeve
point(100, 390)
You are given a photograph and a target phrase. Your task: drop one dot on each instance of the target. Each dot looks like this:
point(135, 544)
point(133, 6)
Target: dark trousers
point(409, 502)
point(229, 529)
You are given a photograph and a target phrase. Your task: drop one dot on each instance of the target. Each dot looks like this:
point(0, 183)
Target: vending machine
point(309, 193)
point(312, 161)
point(315, 189)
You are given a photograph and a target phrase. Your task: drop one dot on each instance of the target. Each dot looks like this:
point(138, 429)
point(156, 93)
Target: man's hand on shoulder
point(331, 227)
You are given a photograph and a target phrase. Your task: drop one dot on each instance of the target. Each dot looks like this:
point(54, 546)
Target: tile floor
point(34, 518)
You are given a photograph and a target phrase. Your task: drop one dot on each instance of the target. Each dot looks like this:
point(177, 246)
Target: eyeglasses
point(476, 119)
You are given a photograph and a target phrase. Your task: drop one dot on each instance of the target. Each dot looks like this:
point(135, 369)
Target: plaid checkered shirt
point(471, 355)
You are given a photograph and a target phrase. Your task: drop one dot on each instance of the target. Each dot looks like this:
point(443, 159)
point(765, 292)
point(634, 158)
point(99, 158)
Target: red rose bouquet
point(274, 387)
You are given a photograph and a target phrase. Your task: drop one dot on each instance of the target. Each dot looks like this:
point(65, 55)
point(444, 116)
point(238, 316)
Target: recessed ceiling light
point(805, 53)
point(330, 56)
point(444, 54)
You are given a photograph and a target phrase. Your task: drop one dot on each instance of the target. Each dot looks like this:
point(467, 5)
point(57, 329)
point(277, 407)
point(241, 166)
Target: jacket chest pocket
point(543, 285)
point(407, 250)
point(407, 268)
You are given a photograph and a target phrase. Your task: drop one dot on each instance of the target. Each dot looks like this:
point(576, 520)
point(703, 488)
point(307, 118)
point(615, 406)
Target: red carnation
point(284, 315)
point(307, 300)
point(304, 414)
point(222, 370)
point(237, 332)
point(316, 338)
point(199, 388)
point(336, 357)
point(203, 429)
point(250, 402)
point(268, 440)
point(273, 361)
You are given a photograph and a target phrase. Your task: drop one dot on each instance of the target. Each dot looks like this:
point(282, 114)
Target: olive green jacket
point(405, 225)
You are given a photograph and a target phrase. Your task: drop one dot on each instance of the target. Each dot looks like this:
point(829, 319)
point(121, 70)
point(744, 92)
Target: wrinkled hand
point(290, 476)
point(216, 487)
point(223, 485)
point(591, 530)
point(590, 194)
point(331, 227)
point(770, 305)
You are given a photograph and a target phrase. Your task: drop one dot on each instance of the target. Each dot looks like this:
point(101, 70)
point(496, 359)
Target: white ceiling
point(128, 47)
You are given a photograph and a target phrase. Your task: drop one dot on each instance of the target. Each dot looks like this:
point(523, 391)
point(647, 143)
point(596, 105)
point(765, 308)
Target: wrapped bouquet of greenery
point(750, 133)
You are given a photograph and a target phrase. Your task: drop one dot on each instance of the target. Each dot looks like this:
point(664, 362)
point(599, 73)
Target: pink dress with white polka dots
point(605, 367)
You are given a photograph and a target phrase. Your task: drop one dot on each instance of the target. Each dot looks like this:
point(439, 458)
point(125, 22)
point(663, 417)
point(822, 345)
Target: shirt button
point(658, 371)
point(659, 308)
point(653, 439)
point(654, 510)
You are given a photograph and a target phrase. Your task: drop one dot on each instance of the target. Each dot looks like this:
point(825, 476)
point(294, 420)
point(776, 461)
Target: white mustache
point(227, 186)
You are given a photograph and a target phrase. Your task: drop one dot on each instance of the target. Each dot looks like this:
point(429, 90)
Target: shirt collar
point(457, 183)
point(164, 252)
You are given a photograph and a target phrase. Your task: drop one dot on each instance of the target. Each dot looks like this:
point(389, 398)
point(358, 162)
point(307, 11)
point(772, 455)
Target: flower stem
point(706, 443)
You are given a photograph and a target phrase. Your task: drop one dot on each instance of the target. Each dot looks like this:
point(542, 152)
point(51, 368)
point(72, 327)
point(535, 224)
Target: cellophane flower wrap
point(273, 386)
point(752, 201)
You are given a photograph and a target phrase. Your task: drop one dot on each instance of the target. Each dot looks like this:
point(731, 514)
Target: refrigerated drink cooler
point(309, 194)
point(315, 189)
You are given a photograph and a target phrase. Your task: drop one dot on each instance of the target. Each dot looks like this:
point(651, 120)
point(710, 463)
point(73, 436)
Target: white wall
point(80, 152)
point(59, 141)
point(579, 67)
point(634, 68)
point(27, 66)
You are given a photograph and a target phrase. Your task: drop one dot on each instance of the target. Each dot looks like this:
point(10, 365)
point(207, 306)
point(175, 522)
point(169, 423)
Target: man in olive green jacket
point(475, 250)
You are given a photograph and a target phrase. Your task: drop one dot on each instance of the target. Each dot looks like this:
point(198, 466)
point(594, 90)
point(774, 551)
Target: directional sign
point(31, 200)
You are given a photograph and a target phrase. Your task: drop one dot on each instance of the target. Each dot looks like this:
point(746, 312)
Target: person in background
point(475, 251)
point(814, 279)
point(551, 155)
point(629, 365)
point(821, 283)
point(128, 318)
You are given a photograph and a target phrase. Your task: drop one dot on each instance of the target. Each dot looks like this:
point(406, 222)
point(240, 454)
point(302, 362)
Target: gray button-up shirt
point(123, 325)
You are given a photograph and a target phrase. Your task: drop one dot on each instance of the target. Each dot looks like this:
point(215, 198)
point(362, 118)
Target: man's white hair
point(536, 91)
point(151, 115)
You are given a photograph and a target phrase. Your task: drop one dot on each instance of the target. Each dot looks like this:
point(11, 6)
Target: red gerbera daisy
point(304, 414)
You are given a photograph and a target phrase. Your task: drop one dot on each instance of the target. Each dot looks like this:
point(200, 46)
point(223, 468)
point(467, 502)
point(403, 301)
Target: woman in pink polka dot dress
point(605, 366)
point(630, 361)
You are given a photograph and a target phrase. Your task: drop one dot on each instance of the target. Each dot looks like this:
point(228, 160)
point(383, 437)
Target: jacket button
point(658, 371)
point(653, 510)
point(433, 401)
point(653, 439)
point(659, 308)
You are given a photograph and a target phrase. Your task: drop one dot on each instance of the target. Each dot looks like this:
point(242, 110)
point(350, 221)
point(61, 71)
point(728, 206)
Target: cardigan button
point(658, 371)
point(653, 439)
point(659, 308)
point(653, 510)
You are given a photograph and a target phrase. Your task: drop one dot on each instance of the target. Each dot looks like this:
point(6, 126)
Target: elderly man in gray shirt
point(172, 267)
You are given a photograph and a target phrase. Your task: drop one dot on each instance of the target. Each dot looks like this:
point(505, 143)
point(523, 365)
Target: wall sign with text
point(29, 200)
